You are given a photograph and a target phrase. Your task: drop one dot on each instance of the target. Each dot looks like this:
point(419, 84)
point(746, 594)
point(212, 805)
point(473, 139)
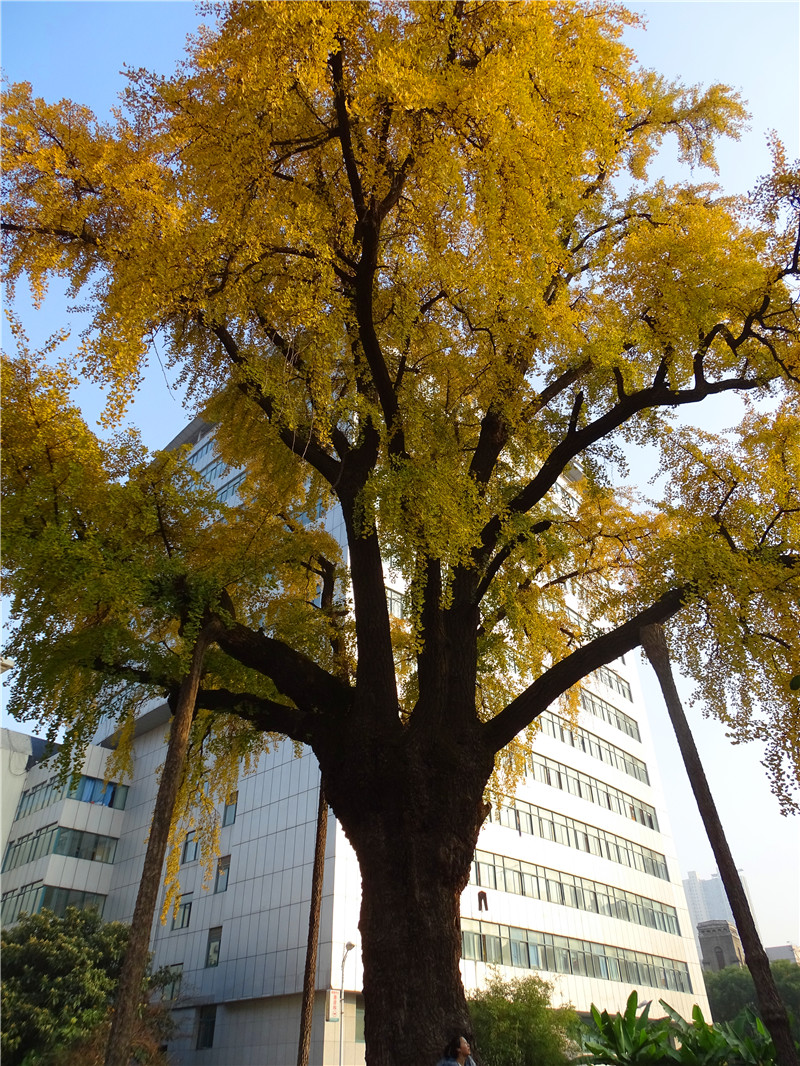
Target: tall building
point(575, 878)
point(707, 902)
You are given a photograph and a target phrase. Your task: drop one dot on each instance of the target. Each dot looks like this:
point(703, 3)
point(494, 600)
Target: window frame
point(213, 947)
point(223, 865)
point(182, 915)
point(230, 808)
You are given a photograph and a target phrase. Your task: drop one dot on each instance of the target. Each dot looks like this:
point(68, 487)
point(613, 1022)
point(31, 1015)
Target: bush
point(514, 1024)
point(625, 1039)
point(59, 980)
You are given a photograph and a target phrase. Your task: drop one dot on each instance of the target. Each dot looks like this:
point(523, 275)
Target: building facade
point(575, 877)
point(720, 945)
point(784, 953)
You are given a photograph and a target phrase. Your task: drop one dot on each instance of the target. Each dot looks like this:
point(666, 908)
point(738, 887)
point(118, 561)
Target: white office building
point(575, 879)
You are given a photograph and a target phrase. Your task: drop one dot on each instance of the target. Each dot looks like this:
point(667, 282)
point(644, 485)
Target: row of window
point(172, 989)
point(540, 822)
point(583, 740)
point(600, 708)
point(230, 490)
point(215, 469)
point(83, 788)
point(202, 453)
point(582, 626)
point(503, 945)
point(37, 896)
point(612, 679)
point(554, 886)
point(557, 775)
point(59, 840)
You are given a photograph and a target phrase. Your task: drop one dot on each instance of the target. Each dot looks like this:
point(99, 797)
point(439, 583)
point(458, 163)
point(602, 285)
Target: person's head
point(457, 1048)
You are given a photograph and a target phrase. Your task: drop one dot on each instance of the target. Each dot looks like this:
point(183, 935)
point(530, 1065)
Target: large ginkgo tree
point(410, 251)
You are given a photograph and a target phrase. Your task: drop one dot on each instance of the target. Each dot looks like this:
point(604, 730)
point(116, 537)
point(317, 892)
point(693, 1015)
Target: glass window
point(493, 952)
point(487, 874)
point(80, 845)
point(172, 989)
point(514, 882)
point(223, 870)
point(182, 915)
point(189, 847)
point(58, 899)
point(206, 1021)
point(28, 899)
point(229, 811)
point(213, 946)
point(519, 952)
point(94, 790)
point(395, 602)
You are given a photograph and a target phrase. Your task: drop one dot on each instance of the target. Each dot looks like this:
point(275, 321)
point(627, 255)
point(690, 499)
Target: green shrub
point(59, 980)
point(514, 1024)
point(626, 1039)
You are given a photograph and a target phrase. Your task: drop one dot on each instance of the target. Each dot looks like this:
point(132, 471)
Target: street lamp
point(347, 949)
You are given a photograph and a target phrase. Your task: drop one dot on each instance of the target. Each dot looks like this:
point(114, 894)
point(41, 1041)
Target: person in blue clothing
point(457, 1051)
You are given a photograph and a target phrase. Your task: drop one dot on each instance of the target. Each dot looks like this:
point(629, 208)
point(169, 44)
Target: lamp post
point(347, 949)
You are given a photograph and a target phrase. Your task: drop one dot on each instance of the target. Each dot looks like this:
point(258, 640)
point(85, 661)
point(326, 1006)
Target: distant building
point(720, 945)
point(708, 902)
point(788, 952)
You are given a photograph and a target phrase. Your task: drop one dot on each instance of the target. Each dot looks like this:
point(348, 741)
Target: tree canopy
point(416, 247)
point(116, 560)
point(731, 991)
point(408, 260)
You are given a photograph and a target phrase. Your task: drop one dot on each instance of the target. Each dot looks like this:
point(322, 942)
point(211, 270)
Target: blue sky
point(78, 49)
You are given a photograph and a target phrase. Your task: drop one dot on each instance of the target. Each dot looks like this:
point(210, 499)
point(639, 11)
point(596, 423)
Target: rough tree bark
point(118, 1049)
point(315, 906)
point(770, 1005)
point(414, 857)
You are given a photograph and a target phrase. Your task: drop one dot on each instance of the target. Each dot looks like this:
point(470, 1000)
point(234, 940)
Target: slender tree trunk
point(126, 1003)
point(770, 1005)
point(310, 975)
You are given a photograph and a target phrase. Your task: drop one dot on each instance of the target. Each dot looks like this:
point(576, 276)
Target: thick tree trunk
point(126, 1003)
point(411, 947)
point(770, 1005)
point(315, 906)
point(413, 817)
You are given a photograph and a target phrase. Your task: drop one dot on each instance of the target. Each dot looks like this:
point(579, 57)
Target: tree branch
point(295, 675)
point(266, 715)
point(302, 444)
point(502, 729)
point(656, 395)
